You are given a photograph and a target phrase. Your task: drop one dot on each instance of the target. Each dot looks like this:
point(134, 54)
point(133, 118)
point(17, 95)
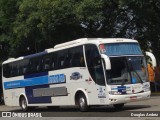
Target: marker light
point(102, 48)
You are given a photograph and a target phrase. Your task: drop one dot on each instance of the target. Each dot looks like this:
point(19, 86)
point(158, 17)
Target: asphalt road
point(151, 107)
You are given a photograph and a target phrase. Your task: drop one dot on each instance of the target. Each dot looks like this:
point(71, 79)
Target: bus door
point(95, 68)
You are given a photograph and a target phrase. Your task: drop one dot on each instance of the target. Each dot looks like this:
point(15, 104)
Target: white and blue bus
point(84, 72)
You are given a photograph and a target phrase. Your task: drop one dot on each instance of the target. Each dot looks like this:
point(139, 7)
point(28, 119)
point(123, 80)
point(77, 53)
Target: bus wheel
point(118, 106)
point(23, 104)
point(82, 103)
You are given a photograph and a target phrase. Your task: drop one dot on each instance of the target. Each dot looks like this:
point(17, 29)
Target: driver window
point(94, 64)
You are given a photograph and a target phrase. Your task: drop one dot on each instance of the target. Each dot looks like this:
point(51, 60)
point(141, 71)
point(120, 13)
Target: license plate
point(133, 98)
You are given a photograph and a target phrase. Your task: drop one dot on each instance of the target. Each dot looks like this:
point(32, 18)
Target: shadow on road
point(92, 109)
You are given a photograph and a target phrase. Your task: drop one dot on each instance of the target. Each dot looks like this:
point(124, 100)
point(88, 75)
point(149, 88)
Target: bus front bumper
point(117, 99)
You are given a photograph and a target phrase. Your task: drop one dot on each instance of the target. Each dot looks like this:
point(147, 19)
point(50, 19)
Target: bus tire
point(118, 106)
point(23, 104)
point(82, 103)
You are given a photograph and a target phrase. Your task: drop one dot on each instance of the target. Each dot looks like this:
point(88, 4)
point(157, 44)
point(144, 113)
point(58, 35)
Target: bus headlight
point(115, 93)
point(146, 89)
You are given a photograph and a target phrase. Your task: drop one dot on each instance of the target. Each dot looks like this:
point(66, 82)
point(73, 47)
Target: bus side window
point(67, 60)
point(6, 70)
point(10, 70)
point(31, 66)
point(20, 67)
point(17, 69)
point(46, 61)
point(77, 57)
point(61, 58)
point(14, 69)
point(76, 60)
point(24, 70)
point(53, 63)
point(38, 64)
point(25, 66)
point(61, 62)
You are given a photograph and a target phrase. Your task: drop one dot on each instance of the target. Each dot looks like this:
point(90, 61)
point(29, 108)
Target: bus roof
point(73, 43)
point(93, 40)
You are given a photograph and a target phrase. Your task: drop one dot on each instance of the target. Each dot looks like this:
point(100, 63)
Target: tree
point(42, 24)
point(145, 22)
point(30, 26)
point(8, 11)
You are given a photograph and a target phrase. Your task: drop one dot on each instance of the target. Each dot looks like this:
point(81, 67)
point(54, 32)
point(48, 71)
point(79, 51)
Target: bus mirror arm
point(106, 61)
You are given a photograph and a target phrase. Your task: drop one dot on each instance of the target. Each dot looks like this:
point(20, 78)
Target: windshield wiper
point(123, 82)
point(138, 75)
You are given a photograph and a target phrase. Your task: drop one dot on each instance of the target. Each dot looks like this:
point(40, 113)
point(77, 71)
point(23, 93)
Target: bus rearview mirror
point(152, 58)
point(106, 61)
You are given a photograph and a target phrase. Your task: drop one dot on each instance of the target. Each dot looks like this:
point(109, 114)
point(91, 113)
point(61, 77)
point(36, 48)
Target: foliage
point(30, 26)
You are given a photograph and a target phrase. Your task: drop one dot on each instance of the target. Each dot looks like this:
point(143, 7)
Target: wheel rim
point(23, 104)
point(82, 102)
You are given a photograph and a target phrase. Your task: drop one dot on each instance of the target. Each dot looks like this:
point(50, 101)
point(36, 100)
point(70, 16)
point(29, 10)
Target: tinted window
point(53, 63)
point(6, 70)
point(61, 58)
point(94, 64)
point(77, 58)
point(67, 59)
point(46, 62)
point(14, 70)
point(72, 57)
point(31, 67)
point(25, 68)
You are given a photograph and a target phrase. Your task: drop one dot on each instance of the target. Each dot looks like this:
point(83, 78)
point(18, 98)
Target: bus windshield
point(127, 70)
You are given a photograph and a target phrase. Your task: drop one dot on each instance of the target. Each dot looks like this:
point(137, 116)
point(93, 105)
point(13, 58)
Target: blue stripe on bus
point(36, 100)
point(35, 75)
point(53, 79)
point(119, 88)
